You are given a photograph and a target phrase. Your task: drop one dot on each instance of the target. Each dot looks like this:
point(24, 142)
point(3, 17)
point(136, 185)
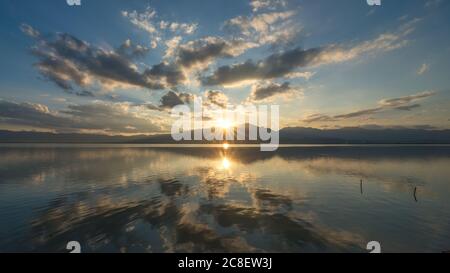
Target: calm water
point(156, 199)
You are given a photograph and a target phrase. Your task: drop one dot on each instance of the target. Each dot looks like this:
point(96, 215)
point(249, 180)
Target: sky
point(119, 66)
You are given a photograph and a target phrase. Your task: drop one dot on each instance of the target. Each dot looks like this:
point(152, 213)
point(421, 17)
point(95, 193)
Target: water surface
point(119, 198)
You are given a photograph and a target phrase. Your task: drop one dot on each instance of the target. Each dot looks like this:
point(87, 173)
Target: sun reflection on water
point(226, 164)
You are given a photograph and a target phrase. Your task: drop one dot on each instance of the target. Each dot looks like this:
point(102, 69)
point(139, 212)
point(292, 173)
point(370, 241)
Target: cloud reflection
point(151, 200)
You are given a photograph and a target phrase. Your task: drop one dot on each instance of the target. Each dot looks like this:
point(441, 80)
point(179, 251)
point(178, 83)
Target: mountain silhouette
point(289, 135)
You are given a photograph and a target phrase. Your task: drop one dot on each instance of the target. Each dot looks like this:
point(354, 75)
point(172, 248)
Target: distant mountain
point(167, 138)
point(43, 137)
point(356, 135)
point(290, 135)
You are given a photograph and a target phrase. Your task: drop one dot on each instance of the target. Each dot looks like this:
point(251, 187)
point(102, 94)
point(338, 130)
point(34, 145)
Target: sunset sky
point(118, 66)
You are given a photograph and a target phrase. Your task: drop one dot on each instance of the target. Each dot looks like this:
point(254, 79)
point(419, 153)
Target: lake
point(144, 198)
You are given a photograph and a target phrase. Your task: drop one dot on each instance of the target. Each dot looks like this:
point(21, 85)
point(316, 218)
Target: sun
point(224, 123)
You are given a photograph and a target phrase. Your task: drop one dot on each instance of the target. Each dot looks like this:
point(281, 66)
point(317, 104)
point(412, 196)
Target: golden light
point(224, 123)
point(226, 164)
point(226, 146)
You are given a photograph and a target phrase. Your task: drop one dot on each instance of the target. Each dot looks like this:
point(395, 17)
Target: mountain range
point(289, 135)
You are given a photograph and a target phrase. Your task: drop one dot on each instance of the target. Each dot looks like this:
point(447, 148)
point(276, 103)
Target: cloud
point(203, 51)
point(182, 27)
point(407, 107)
point(285, 63)
point(61, 100)
point(402, 101)
point(168, 75)
point(274, 28)
point(295, 75)
point(406, 103)
point(85, 93)
point(274, 66)
point(142, 20)
point(383, 43)
point(359, 113)
point(158, 30)
point(260, 23)
point(30, 31)
point(101, 117)
point(424, 68)
point(318, 118)
point(130, 50)
point(217, 98)
point(113, 118)
point(32, 114)
point(172, 99)
point(265, 92)
point(266, 4)
point(68, 61)
point(172, 45)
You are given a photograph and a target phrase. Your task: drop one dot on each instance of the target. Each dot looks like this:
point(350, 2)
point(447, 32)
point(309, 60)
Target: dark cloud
point(168, 101)
point(318, 118)
point(262, 92)
point(85, 93)
point(276, 65)
point(401, 103)
point(67, 61)
point(103, 117)
point(169, 73)
point(201, 52)
point(150, 106)
point(112, 117)
point(82, 93)
point(31, 114)
point(407, 107)
point(355, 114)
point(172, 99)
point(217, 98)
point(60, 71)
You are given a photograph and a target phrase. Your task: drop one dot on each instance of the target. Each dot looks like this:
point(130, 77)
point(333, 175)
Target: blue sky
point(327, 64)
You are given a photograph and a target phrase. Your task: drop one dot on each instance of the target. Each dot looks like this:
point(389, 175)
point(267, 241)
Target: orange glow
point(224, 123)
point(226, 164)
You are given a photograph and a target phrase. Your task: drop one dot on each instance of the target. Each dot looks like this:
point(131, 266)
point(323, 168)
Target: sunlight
point(226, 146)
point(224, 123)
point(226, 164)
